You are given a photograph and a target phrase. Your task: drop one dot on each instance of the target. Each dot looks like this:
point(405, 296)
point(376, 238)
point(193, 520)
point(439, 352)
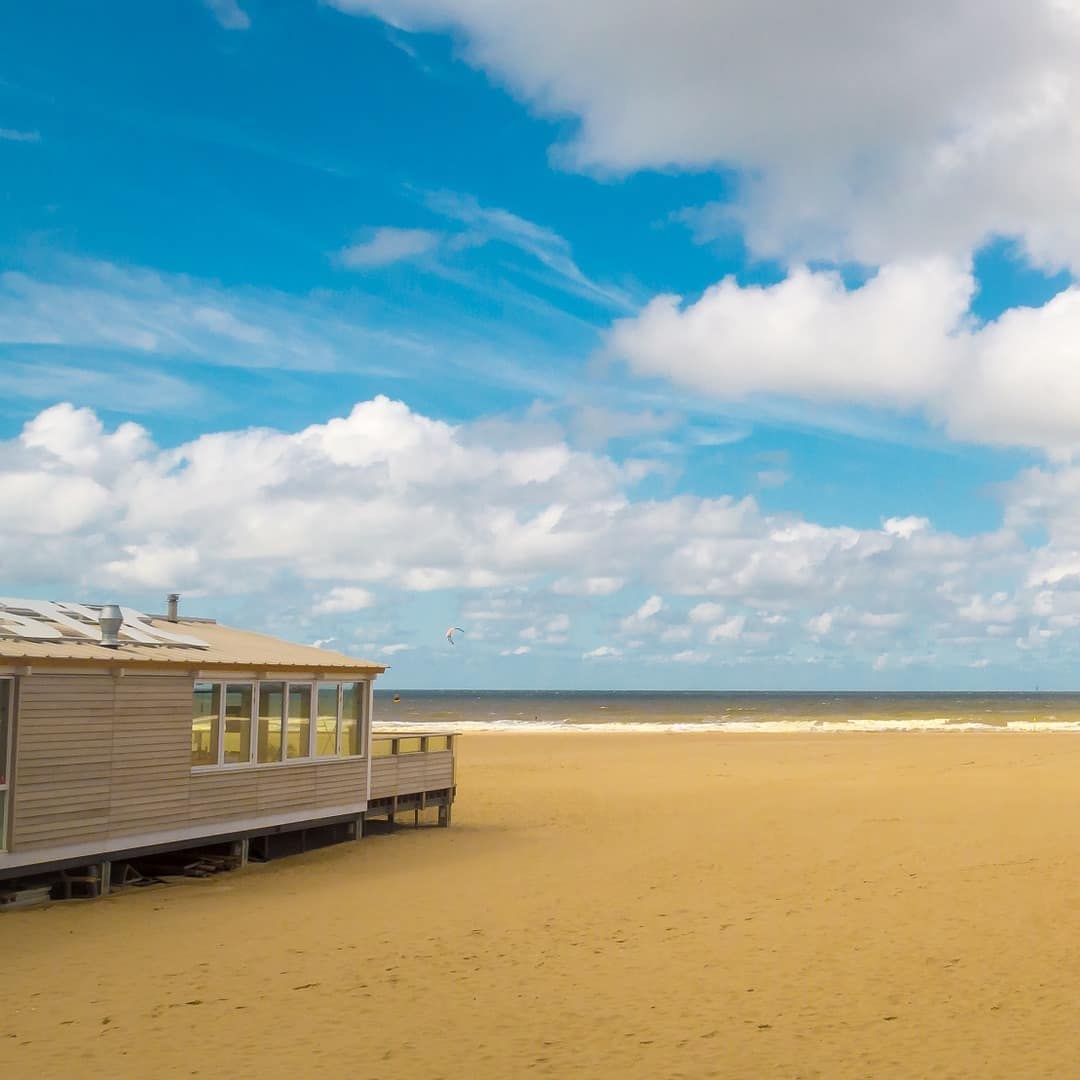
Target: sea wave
point(942, 724)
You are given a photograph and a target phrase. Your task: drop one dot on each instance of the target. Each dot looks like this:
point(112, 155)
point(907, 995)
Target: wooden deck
point(412, 771)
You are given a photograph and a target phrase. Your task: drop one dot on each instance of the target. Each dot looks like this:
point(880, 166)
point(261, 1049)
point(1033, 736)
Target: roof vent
point(110, 620)
point(173, 606)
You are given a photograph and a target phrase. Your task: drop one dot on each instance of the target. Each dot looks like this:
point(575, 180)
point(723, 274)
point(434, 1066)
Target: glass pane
point(271, 711)
point(299, 740)
point(326, 721)
point(409, 746)
point(438, 742)
point(238, 697)
point(381, 747)
point(5, 730)
point(352, 711)
point(206, 708)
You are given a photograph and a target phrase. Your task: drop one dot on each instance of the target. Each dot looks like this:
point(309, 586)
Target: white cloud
point(521, 650)
point(807, 336)
point(552, 631)
point(635, 622)
point(229, 14)
point(595, 426)
point(392, 650)
point(315, 518)
point(995, 609)
point(706, 613)
point(904, 341)
point(603, 652)
point(593, 586)
point(388, 245)
point(905, 527)
point(690, 656)
point(728, 630)
point(853, 137)
point(343, 598)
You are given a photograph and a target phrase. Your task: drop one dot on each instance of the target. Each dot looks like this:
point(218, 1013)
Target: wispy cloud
point(388, 245)
point(469, 227)
point(86, 303)
point(126, 387)
point(552, 251)
point(229, 14)
point(14, 135)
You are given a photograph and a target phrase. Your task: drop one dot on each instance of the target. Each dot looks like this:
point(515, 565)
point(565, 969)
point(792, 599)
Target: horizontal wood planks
point(104, 758)
point(63, 759)
point(406, 774)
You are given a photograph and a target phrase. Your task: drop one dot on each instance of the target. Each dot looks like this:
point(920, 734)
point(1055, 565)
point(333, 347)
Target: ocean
point(742, 711)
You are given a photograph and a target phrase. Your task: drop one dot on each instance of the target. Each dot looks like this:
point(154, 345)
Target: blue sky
point(644, 349)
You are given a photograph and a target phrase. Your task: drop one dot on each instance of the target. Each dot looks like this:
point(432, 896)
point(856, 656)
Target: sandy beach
point(608, 906)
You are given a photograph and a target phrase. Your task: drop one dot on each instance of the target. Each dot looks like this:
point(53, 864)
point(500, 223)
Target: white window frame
point(253, 735)
point(364, 694)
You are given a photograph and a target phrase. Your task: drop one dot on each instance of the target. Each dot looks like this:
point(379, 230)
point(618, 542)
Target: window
point(298, 743)
point(238, 699)
point(326, 721)
point(7, 688)
point(268, 723)
point(271, 712)
point(352, 711)
point(205, 723)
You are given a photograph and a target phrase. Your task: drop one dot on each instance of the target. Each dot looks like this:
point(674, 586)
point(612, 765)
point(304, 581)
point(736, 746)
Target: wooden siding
point(151, 760)
point(63, 759)
point(101, 758)
point(405, 774)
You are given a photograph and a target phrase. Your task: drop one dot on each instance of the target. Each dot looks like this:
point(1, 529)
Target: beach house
point(124, 735)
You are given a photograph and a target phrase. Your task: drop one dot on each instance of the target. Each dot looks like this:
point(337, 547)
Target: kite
point(450, 633)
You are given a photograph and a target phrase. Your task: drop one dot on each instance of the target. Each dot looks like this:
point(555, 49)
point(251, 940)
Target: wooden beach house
point(124, 735)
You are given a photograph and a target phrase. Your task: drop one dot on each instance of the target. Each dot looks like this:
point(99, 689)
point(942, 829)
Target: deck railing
point(387, 744)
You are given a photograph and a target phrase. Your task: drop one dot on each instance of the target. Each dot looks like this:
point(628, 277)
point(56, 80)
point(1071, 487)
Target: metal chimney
point(110, 620)
point(173, 602)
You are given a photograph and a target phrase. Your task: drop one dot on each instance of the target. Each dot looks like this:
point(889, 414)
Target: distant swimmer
point(451, 632)
point(397, 697)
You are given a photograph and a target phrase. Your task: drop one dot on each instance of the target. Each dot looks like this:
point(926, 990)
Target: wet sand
point(632, 906)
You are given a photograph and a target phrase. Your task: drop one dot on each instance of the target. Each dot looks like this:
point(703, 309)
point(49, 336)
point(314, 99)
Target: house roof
point(34, 631)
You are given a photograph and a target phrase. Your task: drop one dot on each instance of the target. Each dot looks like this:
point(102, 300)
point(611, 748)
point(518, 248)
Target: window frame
point(364, 695)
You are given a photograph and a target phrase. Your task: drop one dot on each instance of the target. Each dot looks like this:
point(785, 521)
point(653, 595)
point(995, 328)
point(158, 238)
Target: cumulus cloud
point(592, 586)
point(853, 138)
point(343, 598)
point(903, 340)
point(602, 652)
point(533, 539)
point(635, 622)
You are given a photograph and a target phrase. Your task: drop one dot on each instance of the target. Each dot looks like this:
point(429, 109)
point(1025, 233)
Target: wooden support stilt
point(239, 850)
point(104, 877)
